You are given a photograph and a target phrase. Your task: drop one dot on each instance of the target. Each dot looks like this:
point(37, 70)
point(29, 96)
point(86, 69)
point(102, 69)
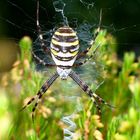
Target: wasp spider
point(64, 51)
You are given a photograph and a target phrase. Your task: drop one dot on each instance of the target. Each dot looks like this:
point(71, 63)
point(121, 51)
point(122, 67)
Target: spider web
point(84, 20)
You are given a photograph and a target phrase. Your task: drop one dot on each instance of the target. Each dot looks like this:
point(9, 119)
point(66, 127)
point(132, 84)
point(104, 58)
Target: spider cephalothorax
point(64, 51)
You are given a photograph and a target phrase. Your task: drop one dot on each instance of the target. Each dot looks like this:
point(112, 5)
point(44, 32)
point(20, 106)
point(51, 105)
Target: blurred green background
point(119, 53)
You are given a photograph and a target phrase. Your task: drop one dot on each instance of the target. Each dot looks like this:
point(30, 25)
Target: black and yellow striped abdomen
point(64, 46)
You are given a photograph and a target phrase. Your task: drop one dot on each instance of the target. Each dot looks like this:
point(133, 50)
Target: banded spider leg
point(40, 93)
point(94, 97)
point(41, 42)
point(41, 61)
point(85, 52)
point(39, 31)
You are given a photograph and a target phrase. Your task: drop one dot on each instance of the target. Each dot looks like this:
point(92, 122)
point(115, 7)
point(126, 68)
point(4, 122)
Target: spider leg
point(87, 59)
point(89, 92)
point(39, 94)
point(38, 24)
point(39, 31)
point(83, 53)
point(42, 61)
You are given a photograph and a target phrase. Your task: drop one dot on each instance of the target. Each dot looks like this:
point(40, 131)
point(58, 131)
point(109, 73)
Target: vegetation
point(121, 89)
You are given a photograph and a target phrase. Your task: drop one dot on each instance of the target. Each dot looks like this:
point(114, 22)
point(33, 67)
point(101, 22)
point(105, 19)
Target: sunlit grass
point(121, 89)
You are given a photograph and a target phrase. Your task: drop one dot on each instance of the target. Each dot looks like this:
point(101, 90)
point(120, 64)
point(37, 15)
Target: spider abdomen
point(64, 47)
